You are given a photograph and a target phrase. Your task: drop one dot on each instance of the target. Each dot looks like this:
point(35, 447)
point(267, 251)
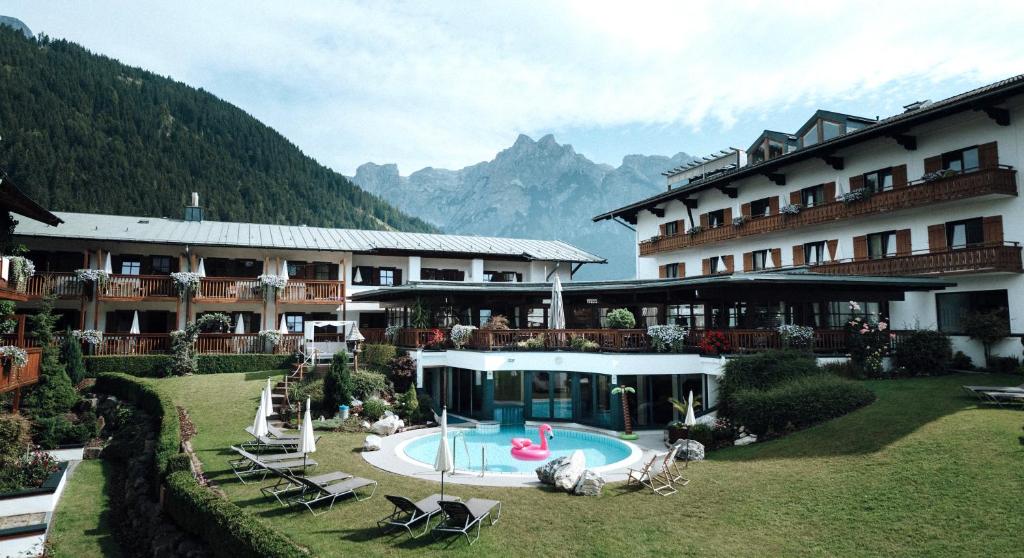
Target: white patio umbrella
point(284, 269)
point(259, 424)
point(307, 443)
point(135, 330)
point(107, 266)
point(284, 325)
point(239, 324)
point(358, 277)
point(444, 462)
point(268, 399)
point(201, 270)
point(690, 420)
point(556, 318)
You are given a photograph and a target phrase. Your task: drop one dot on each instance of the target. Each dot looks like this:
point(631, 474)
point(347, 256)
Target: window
point(811, 136)
point(294, 322)
point(814, 253)
point(961, 160)
point(686, 315)
point(878, 181)
point(672, 270)
point(774, 149)
point(714, 266)
point(671, 228)
point(131, 267)
point(716, 218)
point(830, 129)
point(295, 269)
point(761, 207)
point(961, 234)
point(161, 265)
point(953, 307)
point(536, 317)
point(508, 387)
point(322, 271)
point(757, 154)
point(853, 126)
point(759, 260)
point(815, 195)
point(882, 245)
point(485, 316)
point(387, 276)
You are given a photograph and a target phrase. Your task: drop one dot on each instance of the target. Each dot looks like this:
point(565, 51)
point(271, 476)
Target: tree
point(987, 327)
point(71, 356)
point(54, 394)
point(337, 383)
point(624, 391)
point(184, 361)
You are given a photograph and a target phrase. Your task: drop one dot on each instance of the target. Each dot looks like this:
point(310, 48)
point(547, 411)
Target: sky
point(449, 84)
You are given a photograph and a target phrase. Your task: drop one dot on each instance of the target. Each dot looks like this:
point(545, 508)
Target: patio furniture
point(460, 517)
point(978, 391)
point(671, 464)
point(1001, 397)
point(249, 464)
point(287, 483)
point(655, 474)
point(314, 493)
point(407, 512)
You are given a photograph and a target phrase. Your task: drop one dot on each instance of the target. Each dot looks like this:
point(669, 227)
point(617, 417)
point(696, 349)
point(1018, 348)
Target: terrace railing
point(373, 335)
point(306, 291)
point(13, 377)
point(1005, 257)
point(229, 289)
point(58, 284)
point(138, 287)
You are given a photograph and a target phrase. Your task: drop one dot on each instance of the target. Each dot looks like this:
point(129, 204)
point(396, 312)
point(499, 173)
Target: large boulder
point(546, 472)
point(569, 474)
point(387, 425)
point(372, 443)
point(590, 484)
point(690, 450)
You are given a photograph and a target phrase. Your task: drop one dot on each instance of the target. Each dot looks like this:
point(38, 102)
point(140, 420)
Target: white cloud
point(450, 84)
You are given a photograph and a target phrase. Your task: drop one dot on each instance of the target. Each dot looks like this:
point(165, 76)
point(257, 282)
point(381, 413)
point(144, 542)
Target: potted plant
point(714, 343)
point(790, 209)
point(624, 391)
point(620, 318)
point(739, 220)
point(461, 334)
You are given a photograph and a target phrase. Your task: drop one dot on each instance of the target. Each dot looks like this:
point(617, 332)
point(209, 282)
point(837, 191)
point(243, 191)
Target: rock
point(365, 425)
point(746, 440)
point(546, 472)
point(569, 474)
point(372, 443)
point(387, 425)
point(590, 484)
point(691, 450)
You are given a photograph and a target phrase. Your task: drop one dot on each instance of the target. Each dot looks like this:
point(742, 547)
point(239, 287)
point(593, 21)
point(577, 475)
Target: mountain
point(534, 189)
point(83, 132)
point(16, 23)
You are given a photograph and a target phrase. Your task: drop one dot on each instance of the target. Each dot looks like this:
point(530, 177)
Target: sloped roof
point(123, 228)
point(14, 200)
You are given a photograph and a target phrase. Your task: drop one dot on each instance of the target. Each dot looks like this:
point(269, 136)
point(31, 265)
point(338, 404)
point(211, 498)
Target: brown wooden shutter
point(727, 216)
point(748, 261)
point(934, 164)
point(833, 247)
point(899, 176)
point(730, 262)
point(795, 197)
point(903, 247)
point(992, 229)
point(988, 155)
point(704, 221)
point(777, 256)
point(705, 266)
point(830, 192)
point(798, 255)
point(398, 276)
point(663, 229)
point(682, 269)
point(680, 226)
point(773, 205)
point(662, 271)
point(745, 210)
point(856, 182)
point(860, 247)
point(936, 238)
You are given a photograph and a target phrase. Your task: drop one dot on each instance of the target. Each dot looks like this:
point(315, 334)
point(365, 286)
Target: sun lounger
point(249, 464)
point(460, 517)
point(314, 493)
point(275, 433)
point(287, 483)
point(1001, 397)
point(979, 391)
point(654, 474)
point(407, 513)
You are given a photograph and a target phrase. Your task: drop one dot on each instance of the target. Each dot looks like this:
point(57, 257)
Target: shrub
point(54, 394)
point(71, 356)
point(401, 370)
point(314, 390)
point(14, 439)
point(924, 352)
point(337, 384)
point(407, 405)
point(1003, 365)
point(580, 343)
point(846, 369)
point(373, 409)
point(702, 433)
point(425, 406)
point(496, 323)
point(797, 403)
point(621, 318)
point(961, 361)
point(51, 432)
point(378, 355)
point(368, 384)
point(158, 366)
point(146, 399)
point(762, 371)
point(987, 327)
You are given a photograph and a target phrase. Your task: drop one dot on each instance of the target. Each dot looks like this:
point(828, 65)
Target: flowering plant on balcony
point(739, 220)
point(852, 196)
point(714, 343)
point(21, 269)
point(186, 283)
point(15, 356)
point(582, 344)
point(667, 338)
point(868, 340)
point(391, 333)
point(97, 277)
point(938, 175)
point(270, 336)
point(535, 343)
point(436, 339)
point(790, 209)
point(271, 284)
point(93, 337)
point(796, 336)
point(461, 334)
point(694, 230)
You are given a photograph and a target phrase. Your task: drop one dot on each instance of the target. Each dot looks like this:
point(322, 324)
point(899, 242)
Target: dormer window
point(810, 137)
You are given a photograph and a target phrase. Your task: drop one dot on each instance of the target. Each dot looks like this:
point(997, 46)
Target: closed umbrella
point(201, 270)
point(259, 424)
point(135, 330)
point(107, 266)
point(689, 422)
point(556, 318)
point(268, 399)
point(284, 325)
point(284, 269)
point(358, 277)
point(307, 443)
point(444, 462)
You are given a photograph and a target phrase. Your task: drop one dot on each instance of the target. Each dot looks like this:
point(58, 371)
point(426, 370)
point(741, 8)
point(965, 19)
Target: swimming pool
point(601, 452)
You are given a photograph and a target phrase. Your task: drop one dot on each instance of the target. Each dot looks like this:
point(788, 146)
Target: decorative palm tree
point(623, 391)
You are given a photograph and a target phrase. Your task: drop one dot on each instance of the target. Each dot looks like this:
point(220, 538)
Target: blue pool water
point(599, 450)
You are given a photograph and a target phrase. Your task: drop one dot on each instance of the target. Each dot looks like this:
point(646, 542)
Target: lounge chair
point(671, 465)
point(261, 443)
point(460, 517)
point(1001, 397)
point(287, 483)
point(407, 513)
point(250, 464)
point(655, 474)
point(314, 493)
point(979, 391)
point(274, 433)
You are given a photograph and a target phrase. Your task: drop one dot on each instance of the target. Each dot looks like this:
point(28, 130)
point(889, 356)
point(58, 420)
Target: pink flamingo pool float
point(523, 448)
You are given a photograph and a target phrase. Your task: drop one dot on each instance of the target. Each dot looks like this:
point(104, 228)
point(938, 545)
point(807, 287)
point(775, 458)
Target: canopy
point(350, 329)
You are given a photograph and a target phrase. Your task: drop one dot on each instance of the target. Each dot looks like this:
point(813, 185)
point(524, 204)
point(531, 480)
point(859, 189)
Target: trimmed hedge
point(146, 398)
point(924, 352)
point(763, 371)
point(378, 355)
point(157, 366)
point(367, 384)
point(798, 403)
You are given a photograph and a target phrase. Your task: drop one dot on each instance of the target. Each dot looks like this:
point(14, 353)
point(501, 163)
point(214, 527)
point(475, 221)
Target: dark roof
point(14, 200)
point(839, 117)
point(975, 99)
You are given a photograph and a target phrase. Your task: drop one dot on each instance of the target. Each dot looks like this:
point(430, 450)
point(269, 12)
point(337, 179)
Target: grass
point(80, 525)
point(922, 471)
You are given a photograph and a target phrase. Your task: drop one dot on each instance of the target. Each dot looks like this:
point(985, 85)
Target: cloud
point(449, 84)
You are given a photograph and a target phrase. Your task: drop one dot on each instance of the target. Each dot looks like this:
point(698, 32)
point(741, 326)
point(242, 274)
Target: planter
point(675, 434)
point(35, 500)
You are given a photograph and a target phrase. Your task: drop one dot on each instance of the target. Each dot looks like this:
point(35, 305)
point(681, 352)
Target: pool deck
point(387, 459)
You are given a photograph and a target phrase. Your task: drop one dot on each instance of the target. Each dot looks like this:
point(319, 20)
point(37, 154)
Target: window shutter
point(773, 205)
point(833, 247)
point(680, 226)
point(748, 261)
point(745, 210)
point(704, 221)
point(662, 271)
point(934, 164)
point(795, 197)
point(460, 275)
point(903, 247)
point(798, 255)
point(777, 256)
point(856, 182)
point(992, 229)
point(860, 247)
point(706, 266)
point(728, 216)
point(830, 192)
point(398, 276)
point(662, 229)
point(899, 176)
point(682, 269)
point(936, 238)
point(730, 262)
point(988, 155)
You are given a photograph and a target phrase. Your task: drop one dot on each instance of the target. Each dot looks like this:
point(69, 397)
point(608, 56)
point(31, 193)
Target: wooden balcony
point(12, 378)
point(138, 287)
point(974, 259)
point(208, 343)
point(308, 291)
point(229, 289)
point(58, 284)
point(373, 335)
point(998, 181)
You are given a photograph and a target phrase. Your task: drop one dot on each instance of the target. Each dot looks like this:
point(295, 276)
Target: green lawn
point(80, 528)
point(922, 471)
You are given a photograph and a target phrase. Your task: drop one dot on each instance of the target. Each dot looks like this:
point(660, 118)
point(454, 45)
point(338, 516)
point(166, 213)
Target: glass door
point(561, 395)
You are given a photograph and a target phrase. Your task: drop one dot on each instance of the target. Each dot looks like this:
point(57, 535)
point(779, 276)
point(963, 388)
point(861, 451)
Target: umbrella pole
point(442, 485)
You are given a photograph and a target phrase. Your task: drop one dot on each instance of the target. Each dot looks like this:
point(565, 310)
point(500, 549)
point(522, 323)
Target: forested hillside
point(83, 132)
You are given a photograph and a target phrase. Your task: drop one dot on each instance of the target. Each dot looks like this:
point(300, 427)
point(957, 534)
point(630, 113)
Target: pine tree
point(54, 394)
point(337, 383)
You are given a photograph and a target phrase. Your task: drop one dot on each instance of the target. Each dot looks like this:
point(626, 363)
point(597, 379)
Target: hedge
point(798, 403)
point(924, 352)
point(156, 366)
point(763, 371)
point(378, 355)
point(227, 529)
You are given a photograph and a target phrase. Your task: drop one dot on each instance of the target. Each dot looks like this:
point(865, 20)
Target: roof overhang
point(14, 200)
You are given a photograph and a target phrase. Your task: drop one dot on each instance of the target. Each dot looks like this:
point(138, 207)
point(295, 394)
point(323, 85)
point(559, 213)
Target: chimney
point(192, 211)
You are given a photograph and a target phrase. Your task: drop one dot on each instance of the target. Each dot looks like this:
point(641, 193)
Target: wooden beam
point(731, 192)
point(1001, 116)
point(833, 161)
point(658, 212)
point(777, 177)
point(906, 141)
point(690, 203)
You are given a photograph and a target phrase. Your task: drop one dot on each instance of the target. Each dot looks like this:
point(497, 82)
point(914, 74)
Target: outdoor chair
point(979, 391)
point(287, 483)
point(314, 493)
point(671, 465)
point(1000, 397)
point(407, 513)
point(263, 443)
point(460, 517)
point(249, 464)
point(654, 475)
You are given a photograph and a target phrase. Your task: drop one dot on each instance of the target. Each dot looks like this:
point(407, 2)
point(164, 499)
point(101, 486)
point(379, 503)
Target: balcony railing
point(138, 287)
point(373, 335)
point(13, 377)
point(307, 291)
point(612, 340)
point(160, 343)
point(229, 289)
point(58, 284)
point(914, 194)
point(1005, 257)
